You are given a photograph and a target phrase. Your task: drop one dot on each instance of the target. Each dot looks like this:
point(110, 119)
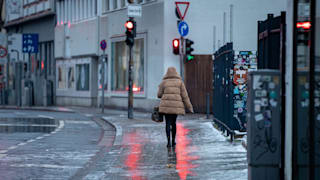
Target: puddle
point(25, 125)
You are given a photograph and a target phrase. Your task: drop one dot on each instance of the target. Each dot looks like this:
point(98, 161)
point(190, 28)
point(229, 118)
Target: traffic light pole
point(130, 92)
point(182, 52)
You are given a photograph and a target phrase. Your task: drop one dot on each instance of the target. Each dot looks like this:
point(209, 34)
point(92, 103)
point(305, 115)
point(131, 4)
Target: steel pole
point(130, 92)
point(102, 79)
point(182, 58)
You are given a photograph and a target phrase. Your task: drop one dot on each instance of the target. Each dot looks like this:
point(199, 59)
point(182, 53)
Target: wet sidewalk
point(140, 152)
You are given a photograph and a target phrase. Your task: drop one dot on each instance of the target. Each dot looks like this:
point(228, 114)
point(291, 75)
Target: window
point(115, 4)
point(120, 53)
point(74, 10)
point(82, 77)
point(123, 3)
point(105, 5)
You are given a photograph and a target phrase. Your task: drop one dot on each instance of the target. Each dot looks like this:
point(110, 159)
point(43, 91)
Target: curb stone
point(55, 109)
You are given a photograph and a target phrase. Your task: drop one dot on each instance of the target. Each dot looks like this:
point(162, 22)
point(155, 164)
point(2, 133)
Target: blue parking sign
point(30, 43)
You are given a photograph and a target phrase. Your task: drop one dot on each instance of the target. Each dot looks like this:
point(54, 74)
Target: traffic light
point(130, 32)
point(189, 50)
point(303, 33)
point(175, 46)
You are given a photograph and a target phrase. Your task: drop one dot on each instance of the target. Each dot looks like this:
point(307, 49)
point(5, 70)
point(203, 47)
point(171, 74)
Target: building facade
point(37, 69)
point(82, 24)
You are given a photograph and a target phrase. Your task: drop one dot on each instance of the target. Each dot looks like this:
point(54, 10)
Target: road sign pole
point(130, 92)
point(103, 60)
point(102, 78)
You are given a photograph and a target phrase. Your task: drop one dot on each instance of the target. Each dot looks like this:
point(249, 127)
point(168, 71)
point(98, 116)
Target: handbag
point(156, 116)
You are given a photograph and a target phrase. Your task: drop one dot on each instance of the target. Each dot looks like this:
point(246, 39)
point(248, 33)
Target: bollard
point(231, 137)
point(208, 105)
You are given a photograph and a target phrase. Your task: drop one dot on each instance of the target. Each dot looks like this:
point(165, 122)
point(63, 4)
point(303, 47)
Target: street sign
point(30, 43)
point(3, 52)
point(103, 45)
point(182, 8)
point(183, 28)
point(15, 44)
point(134, 10)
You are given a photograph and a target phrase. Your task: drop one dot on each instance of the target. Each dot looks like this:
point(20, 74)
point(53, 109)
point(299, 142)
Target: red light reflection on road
point(134, 141)
point(184, 159)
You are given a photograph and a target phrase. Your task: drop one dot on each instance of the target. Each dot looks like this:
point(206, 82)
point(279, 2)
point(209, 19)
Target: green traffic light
point(190, 57)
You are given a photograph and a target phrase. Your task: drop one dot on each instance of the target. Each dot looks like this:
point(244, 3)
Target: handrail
point(229, 131)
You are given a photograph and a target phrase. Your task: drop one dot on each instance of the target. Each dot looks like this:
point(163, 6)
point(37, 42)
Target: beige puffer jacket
point(173, 94)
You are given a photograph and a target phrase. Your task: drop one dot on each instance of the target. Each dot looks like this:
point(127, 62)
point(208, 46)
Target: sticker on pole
point(103, 45)
point(182, 8)
point(183, 28)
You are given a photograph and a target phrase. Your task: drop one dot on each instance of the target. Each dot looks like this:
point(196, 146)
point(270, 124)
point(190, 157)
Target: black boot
point(173, 142)
point(168, 145)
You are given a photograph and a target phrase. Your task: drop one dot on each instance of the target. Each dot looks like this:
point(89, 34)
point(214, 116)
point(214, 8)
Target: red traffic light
point(129, 25)
point(304, 25)
point(175, 43)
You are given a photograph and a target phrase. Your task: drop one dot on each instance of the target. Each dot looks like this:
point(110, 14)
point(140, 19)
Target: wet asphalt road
point(83, 146)
point(57, 155)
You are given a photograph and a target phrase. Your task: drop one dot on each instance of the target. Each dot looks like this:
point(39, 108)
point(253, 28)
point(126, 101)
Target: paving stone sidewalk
point(139, 151)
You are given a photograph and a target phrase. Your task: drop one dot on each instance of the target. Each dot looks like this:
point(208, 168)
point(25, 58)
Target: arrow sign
point(183, 28)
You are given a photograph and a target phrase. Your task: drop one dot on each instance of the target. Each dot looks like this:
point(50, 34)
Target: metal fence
point(230, 71)
point(222, 86)
point(269, 34)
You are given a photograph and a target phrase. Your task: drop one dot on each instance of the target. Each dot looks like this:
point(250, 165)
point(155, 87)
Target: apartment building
point(82, 24)
point(38, 71)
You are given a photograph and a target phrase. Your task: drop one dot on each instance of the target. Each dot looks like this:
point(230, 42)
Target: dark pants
point(171, 124)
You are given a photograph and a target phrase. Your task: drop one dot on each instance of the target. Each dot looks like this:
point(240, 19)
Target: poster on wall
point(15, 47)
point(105, 76)
point(3, 48)
point(61, 77)
point(14, 9)
point(82, 77)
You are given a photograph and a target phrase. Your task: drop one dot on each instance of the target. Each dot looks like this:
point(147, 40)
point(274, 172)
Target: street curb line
point(35, 109)
point(119, 133)
point(3, 153)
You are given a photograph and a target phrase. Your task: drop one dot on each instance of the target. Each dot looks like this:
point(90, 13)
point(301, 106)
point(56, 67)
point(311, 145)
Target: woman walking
point(174, 98)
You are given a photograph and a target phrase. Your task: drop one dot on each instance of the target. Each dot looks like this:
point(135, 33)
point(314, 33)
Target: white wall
point(204, 14)
point(83, 38)
point(151, 25)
